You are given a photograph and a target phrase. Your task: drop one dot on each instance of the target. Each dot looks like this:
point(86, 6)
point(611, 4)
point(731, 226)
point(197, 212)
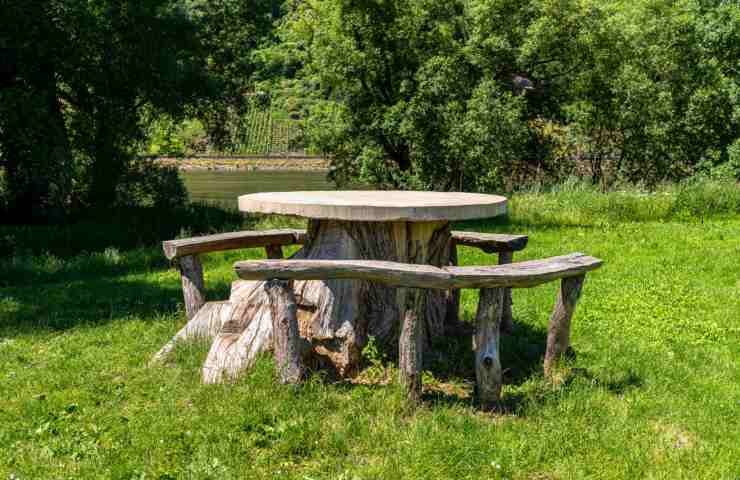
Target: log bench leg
point(286, 336)
point(274, 252)
point(453, 296)
point(558, 332)
point(193, 289)
point(488, 374)
point(410, 343)
point(507, 321)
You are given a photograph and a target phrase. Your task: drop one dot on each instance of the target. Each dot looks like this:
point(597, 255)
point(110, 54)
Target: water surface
point(223, 187)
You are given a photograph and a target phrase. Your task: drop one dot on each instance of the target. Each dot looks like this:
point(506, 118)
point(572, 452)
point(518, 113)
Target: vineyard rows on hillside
point(260, 133)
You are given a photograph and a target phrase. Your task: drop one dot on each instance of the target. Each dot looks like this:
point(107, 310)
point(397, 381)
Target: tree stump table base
point(337, 317)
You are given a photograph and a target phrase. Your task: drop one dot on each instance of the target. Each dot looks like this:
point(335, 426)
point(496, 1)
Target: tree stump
point(204, 325)
point(336, 317)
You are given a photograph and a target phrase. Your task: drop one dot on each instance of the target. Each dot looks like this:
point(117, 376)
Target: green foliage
point(166, 137)
point(86, 80)
point(467, 95)
point(231, 31)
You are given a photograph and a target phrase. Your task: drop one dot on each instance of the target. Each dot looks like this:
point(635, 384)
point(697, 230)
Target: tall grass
point(578, 203)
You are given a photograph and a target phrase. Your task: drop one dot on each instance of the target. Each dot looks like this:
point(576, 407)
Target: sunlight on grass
point(651, 392)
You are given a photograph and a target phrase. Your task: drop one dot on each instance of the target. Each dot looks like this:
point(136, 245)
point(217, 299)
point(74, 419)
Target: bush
point(148, 184)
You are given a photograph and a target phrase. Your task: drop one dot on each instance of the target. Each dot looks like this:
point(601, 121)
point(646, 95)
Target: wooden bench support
point(193, 290)
point(204, 325)
point(558, 332)
point(488, 374)
point(274, 252)
point(507, 319)
point(411, 344)
point(285, 334)
point(414, 279)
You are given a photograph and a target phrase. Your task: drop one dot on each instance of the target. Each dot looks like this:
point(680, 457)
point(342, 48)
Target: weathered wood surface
point(453, 296)
point(288, 349)
point(490, 242)
point(558, 332)
point(488, 373)
point(411, 344)
point(193, 289)
point(274, 252)
point(204, 326)
point(376, 206)
point(507, 318)
point(522, 274)
point(246, 334)
point(336, 316)
point(231, 241)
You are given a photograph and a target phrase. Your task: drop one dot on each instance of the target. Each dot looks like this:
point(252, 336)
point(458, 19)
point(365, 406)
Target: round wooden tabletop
point(376, 205)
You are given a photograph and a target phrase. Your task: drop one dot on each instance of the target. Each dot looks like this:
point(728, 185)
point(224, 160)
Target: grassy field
point(653, 392)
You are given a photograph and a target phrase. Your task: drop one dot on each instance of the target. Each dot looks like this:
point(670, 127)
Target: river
point(223, 187)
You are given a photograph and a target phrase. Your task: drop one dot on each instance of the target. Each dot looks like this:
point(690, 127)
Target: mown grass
point(653, 391)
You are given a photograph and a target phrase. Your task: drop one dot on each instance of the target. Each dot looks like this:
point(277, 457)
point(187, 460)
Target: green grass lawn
point(653, 391)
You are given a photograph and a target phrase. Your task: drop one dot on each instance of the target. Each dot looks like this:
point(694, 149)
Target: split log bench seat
point(184, 253)
point(491, 280)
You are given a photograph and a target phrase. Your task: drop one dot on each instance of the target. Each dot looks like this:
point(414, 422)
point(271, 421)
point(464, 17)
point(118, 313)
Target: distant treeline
point(478, 95)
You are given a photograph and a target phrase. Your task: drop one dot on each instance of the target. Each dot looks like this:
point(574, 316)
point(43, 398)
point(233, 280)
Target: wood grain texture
point(376, 206)
point(558, 332)
point(193, 288)
point(231, 241)
point(453, 296)
point(521, 274)
point(411, 344)
point(490, 242)
point(287, 342)
point(274, 252)
point(204, 325)
point(246, 334)
point(488, 373)
point(507, 319)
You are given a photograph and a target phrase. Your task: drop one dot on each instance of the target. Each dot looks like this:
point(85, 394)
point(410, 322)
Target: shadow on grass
point(522, 353)
point(66, 306)
point(522, 357)
point(92, 302)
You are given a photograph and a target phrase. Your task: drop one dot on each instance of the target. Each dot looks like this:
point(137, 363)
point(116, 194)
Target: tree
point(35, 153)
point(115, 74)
point(232, 32)
point(405, 91)
point(85, 75)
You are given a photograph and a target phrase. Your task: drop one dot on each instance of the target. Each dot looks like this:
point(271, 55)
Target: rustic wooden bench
point(492, 281)
point(184, 252)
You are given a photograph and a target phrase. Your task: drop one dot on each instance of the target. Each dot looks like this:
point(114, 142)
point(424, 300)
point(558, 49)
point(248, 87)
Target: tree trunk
point(36, 150)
